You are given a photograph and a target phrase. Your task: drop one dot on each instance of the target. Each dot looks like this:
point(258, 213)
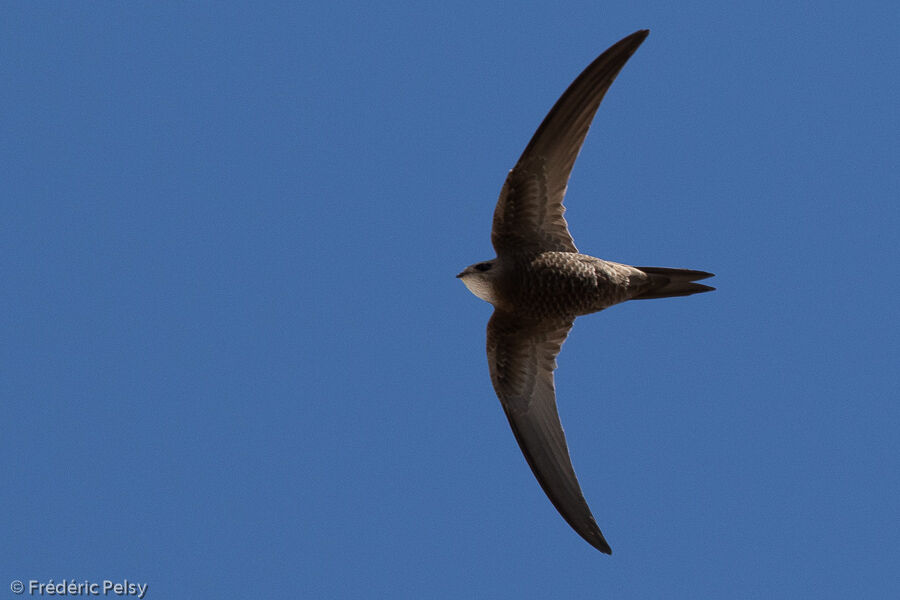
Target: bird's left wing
point(522, 357)
point(529, 213)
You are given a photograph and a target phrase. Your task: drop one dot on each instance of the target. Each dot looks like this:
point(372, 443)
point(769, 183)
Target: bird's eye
point(483, 266)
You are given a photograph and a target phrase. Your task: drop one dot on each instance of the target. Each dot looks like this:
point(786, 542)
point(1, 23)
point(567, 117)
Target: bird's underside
point(552, 285)
point(539, 284)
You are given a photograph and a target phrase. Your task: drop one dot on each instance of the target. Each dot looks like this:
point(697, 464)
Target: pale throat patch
point(480, 286)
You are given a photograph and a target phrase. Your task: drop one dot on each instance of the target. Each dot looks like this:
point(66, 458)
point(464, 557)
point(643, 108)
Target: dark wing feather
point(522, 357)
point(529, 213)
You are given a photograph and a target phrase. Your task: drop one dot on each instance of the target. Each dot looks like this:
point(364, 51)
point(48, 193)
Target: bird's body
point(539, 283)
point(553, 284)
point(562, 284)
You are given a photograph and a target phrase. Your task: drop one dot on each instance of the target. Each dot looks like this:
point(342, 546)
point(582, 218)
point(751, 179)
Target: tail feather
point(665, 283)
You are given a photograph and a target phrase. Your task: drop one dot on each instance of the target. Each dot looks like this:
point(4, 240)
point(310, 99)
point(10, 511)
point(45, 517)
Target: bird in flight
point(539, 283)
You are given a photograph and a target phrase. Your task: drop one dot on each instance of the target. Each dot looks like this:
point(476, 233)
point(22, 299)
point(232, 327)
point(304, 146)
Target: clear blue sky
point(236, 361)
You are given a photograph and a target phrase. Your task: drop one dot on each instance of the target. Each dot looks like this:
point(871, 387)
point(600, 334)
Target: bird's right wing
point(522, 357)
point(529, 213)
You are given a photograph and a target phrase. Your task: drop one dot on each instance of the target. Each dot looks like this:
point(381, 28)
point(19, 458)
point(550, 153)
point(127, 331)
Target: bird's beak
point(460, 274)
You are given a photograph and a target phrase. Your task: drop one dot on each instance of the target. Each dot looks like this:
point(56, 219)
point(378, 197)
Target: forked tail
point(665, 283)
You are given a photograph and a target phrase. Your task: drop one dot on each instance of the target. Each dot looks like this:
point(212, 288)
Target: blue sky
point(236, 361)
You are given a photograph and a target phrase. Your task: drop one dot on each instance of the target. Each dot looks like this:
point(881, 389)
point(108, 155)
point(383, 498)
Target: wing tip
point(638, 36)
point(595, 538)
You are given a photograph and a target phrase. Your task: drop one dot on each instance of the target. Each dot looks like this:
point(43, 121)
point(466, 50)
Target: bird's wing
point(522, 357)
point(529, 213)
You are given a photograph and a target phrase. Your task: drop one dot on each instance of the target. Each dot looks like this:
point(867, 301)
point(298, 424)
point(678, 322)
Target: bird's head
point(479, 278)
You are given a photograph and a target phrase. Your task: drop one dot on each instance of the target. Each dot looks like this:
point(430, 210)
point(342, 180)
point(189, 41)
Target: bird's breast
point(563, 284)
